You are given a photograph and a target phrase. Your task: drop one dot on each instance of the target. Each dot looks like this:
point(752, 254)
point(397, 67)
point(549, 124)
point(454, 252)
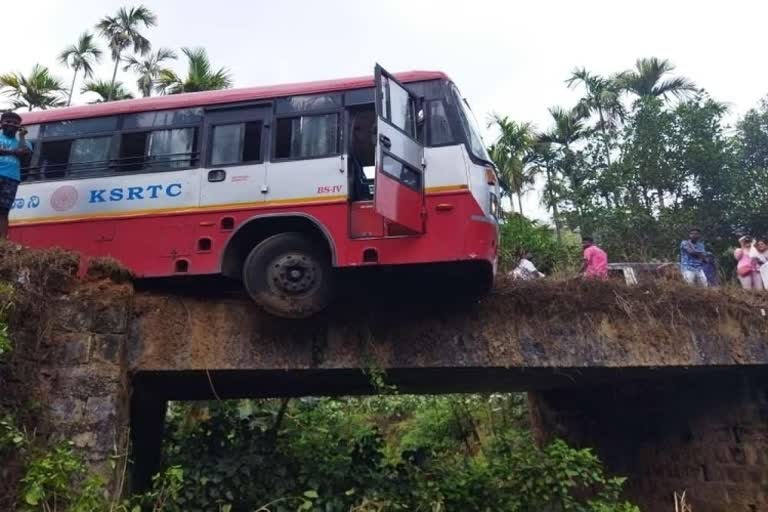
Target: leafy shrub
point(518, 233)
point(466, 452)
point(57, 480)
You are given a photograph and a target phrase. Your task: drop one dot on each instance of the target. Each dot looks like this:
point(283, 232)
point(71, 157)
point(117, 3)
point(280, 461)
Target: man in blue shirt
point(692, 258)
point(12, 150)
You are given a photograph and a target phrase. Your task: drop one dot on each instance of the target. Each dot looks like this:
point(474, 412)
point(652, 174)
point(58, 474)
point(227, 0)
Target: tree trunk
point(72, 88)
point(660, 193)
point(553, 205)
point(605, 136)
point(114, 77)
point(520, 202)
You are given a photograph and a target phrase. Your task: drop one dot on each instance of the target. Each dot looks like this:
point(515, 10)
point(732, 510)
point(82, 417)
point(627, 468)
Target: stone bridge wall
point(704, 435)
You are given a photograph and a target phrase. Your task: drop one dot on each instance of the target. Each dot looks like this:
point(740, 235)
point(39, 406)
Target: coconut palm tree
point(647, 80)
point(106, 91)
point(200, 75)
point(82, 55)
point(39, 89)
point(603, 97)
point(149, 68)
point(509, 152)
point(123, 31)
point(544, 155)
point(569, 128)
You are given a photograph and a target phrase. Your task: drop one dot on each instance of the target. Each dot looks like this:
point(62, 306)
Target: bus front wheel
point(289, 276)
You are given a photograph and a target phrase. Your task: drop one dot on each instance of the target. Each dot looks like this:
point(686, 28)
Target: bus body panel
point(299, 181)
point(241, 185)
point(150, 244)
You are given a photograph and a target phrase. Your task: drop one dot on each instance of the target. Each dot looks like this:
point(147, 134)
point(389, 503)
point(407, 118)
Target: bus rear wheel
point(289, 276)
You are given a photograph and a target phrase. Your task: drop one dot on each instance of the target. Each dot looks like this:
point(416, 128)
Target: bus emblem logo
point(64, 198)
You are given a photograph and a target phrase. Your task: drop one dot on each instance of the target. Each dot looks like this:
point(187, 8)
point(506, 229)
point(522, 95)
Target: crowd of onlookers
point(697, 265)
point(752, 263)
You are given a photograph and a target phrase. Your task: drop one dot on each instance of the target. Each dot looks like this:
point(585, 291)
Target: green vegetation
point(643, 156)
point(200, 75)
point(38, 89)
point(519, 233)
point(428, 454)
point(467, 452)
point(83, 55)
point(106, 91)
point(123, 33)
point(149, 69)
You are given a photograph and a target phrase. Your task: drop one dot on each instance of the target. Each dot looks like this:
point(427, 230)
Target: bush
point(464, 452)
point(518, 233)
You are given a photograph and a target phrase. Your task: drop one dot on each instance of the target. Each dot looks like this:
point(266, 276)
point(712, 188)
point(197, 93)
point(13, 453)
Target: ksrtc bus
point(273, 185)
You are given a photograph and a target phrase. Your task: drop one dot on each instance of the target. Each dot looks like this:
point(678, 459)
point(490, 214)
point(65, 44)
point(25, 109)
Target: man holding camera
point(12, 151)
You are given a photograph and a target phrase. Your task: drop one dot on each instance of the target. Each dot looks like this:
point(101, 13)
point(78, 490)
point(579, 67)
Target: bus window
point(76, 158)
point(236, 143)
point(80, 127)
point(439, 127)
point(89, 155)
point(305, 103)
point(163, 118)
point(471, 128)
point(401, 108)
point(174, 148)
point(307, 136)
point(404, 173)
point(54, 157)
point(133, 147)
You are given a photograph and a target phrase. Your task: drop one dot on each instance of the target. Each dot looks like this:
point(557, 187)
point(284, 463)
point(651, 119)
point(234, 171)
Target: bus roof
point(200, 99)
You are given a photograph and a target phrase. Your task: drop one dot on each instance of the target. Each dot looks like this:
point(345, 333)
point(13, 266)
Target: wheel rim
point(293, 274)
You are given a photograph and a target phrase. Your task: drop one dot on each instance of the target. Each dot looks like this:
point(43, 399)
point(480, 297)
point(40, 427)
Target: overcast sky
point(506, 56)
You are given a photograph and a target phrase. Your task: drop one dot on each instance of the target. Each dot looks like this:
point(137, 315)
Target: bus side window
point(79, 157)
point(133, 147)
point(89, 156)
point(54, 157)
point(175, 148)
point(307, 136)
point(236, 143)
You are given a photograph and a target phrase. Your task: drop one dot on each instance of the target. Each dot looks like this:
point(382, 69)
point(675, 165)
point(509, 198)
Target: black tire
point(289, 276)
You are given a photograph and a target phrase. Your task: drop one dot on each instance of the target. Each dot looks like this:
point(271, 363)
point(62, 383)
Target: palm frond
point(38, 89)
point(200, 75)
point(124, 30)
point(102, 89)
point(168, 82)
point(647, 80)
point(679, 87)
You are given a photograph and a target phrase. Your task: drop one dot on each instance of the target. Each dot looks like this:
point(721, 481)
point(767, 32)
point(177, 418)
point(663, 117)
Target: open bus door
point(399, 183)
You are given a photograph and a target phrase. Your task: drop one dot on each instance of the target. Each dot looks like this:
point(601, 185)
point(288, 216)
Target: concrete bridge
point(668, 384)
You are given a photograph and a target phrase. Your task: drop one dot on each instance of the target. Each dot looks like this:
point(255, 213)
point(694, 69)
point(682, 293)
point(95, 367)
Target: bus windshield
point(471, 128)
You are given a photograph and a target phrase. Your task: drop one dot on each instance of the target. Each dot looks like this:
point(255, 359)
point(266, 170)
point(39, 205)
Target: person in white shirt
point(525, 269)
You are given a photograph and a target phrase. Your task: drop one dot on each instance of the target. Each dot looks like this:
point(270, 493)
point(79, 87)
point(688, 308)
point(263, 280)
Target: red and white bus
point(272, 185)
